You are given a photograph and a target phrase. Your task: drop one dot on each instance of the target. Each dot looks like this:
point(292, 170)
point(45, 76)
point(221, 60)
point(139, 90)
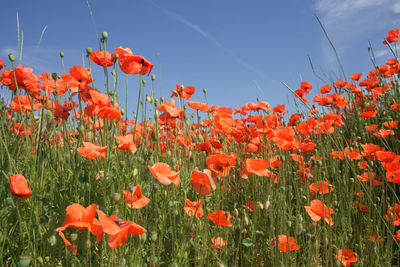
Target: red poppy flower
point(257, 166)
point(220, 164)
point(198, 106)
point(217, 242)
point(346, 257)
point(318, 210)
point(131, 64)
point(118, 229)
point(78, 217)
point(92, 151)
point(163, 173)
point(320, 188)
point(287, 244)
point(24, 103)
point(355, 76)
point(219, 218)
point(135, 198)
point(393, 36)
point(1, 64)
point(126, 143)
point(183, 92)
point(202, 182)
point(98, 58)
point(193, 208)
point(19, 186)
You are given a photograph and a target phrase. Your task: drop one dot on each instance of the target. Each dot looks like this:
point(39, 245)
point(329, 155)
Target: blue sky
point(238, 50)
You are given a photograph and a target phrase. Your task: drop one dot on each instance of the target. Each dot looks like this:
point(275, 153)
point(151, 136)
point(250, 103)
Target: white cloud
point(351, 23)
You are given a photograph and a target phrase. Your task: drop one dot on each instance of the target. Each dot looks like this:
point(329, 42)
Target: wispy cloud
point(351, 23)
point(210, 38)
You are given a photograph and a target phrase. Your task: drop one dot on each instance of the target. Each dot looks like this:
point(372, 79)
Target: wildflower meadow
point(178, 182)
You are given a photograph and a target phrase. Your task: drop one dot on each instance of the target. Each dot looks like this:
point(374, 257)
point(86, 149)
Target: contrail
point(211, 39)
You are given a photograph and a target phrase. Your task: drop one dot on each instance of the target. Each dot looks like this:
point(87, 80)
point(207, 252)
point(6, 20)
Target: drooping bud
point(11, 57)
point(89, 50)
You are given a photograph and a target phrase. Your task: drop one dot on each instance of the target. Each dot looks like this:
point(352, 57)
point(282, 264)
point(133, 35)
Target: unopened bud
point(153, 77)
point(89, 50)
point(104, 35)
point(11, 57)
point(61, 54)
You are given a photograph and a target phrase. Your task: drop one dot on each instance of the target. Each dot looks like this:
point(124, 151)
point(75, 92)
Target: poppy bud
point(267, 204)
point(24, 260)
point(88, 244)
point(143, 82)
point(11, 57)
point(74, 237)
point(89, 50)
point(143, 237)
point(9, 201)
point(122, 111)
point(62, 54)
point(54, 76)
point(104, 35)
point(205, 91)
point(135, 172)
point(153, 77)
point(246, 221)
point(289, 223)
point(116, 197)
point(154, 236)
point(235, 212)
point(149, 99)
point(52, 240)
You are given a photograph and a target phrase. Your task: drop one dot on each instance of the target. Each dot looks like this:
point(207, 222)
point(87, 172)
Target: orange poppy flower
point(320, 188)
point(202, 182)
point(391, 124)
point(217, 242)
point(257, 166)
point(131, 64)
point(183, 92)
point(163, 173)
point(19, 186)
point(346, 257)
point(24, 103)
point(118, 229)
point(363, 208)
point(284, 138)
point(318, 210)
point(92, 151)
point(1, 64)
point(392, 36)
point(287, 244)
point(250, 206)
point(393, 214)
point(219, 218)
point(369, 176)
point(80, 218)
point(126, 143)
point(193, 208)
point(279, 109)
point(355, 76)
point(198, 106)
point(98, 58)
point(135, 198)
point(220, 164)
